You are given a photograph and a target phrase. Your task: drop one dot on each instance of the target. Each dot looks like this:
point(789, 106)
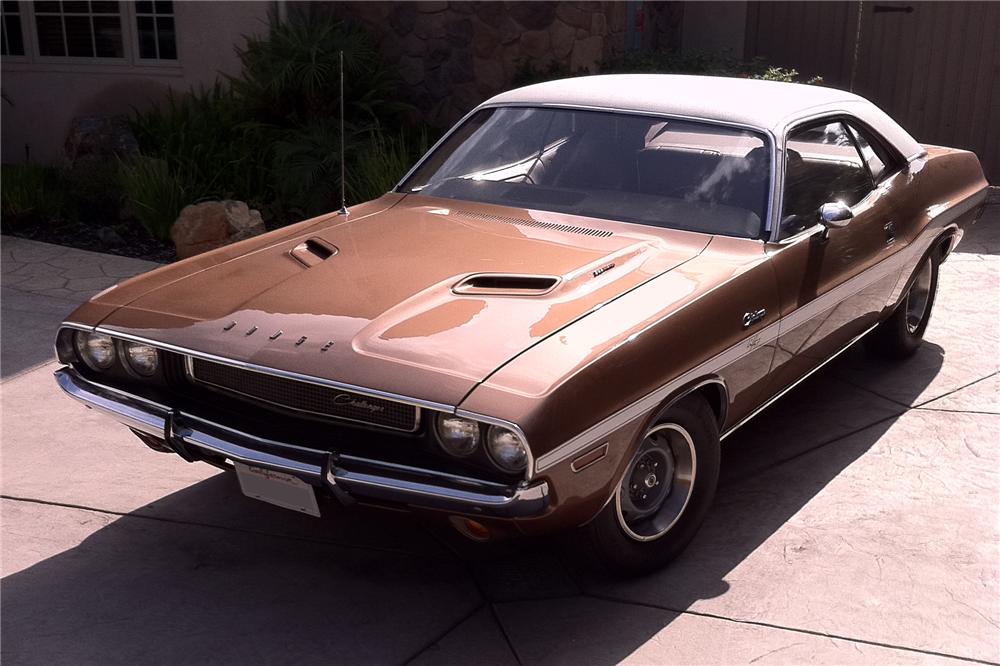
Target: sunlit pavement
point(857, 522)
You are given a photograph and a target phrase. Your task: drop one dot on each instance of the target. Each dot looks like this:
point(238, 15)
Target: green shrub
point(291, 76)
point(383, 163)
point(154, 193)
point(31, 192)
point(212, 146)
point(708, 64)
point(93, 191)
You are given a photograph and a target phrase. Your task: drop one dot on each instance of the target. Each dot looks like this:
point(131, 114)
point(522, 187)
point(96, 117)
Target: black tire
point(614, 544)
point(900, 335)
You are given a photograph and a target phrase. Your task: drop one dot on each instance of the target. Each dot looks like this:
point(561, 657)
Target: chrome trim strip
point(189, 371)
point(639, 408)
point(823, 303)
point(798, 381)
point(466, 414)
point(460, 495)
point(245, 365)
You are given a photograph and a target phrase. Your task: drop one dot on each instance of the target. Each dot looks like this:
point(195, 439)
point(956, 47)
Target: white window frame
point(25, 34)
point(130, 61)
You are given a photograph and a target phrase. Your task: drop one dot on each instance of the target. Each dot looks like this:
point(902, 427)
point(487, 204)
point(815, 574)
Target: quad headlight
point(141, 358)
point(458, 437)
point(95, 349)
point(506, 448)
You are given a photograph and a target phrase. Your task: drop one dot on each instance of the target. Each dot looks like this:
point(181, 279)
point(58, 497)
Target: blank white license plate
point(277, 488)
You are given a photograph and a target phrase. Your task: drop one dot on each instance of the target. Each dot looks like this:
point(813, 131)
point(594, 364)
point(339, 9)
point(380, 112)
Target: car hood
point(372, 301)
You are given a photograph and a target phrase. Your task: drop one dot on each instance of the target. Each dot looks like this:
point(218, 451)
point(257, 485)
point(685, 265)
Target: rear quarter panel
point(945, 192)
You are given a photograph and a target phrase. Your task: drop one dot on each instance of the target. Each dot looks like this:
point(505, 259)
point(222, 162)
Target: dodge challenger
point(553, 320)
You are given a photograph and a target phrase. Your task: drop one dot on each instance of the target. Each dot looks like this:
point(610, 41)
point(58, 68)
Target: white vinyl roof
point(767, 105)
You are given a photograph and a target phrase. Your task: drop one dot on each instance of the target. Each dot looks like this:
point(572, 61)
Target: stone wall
point(453, 55)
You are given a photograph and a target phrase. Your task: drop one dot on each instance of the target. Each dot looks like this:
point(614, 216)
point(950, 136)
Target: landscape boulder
point(205, 226)
point(100, 137)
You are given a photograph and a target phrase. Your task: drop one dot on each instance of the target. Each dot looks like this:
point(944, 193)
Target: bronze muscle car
point(555, 317)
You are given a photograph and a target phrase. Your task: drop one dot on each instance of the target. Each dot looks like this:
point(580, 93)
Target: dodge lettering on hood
point(555, 318)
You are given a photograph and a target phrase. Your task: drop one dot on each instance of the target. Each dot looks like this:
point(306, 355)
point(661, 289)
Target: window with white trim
point(154, 21)
point(79, 29)
point(13, 38)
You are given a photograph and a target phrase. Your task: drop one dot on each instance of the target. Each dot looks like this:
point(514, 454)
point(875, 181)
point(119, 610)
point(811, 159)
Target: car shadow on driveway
point(205, 575)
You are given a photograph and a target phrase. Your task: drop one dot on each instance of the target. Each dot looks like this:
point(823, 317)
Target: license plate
point(277, 488)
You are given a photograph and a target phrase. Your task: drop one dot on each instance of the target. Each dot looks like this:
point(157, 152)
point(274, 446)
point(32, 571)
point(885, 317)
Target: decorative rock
point(535, 45)
point(429, 7)
point(587, 54)
point(486, 40)
point(572, 14)
point(489, 73)
point(562, 37)
point(411, 70)
point(532, 15)
point(459, 32)
point(598, 25)
point(403, 18)
point(212, 224)
point(100, 136)
point(109, 237)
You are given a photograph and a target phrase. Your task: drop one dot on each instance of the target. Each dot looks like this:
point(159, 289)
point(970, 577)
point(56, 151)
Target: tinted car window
point(822, 165)
point(646, 170)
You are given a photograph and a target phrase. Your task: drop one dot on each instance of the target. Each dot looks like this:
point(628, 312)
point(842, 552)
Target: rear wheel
point(901, 334)
point(664, 494)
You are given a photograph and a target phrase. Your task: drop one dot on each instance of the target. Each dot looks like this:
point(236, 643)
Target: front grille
point(305, 397)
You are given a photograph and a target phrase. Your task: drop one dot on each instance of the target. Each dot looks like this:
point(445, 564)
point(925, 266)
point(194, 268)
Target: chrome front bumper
point(347, 477)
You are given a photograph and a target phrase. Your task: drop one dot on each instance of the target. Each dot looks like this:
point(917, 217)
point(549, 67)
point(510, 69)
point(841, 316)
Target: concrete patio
point(858, 521)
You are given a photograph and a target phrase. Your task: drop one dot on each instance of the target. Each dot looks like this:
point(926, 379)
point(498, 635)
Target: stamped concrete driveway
point(856, 522)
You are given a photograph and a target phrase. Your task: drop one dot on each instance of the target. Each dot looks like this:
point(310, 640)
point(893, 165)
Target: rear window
point(640, 169)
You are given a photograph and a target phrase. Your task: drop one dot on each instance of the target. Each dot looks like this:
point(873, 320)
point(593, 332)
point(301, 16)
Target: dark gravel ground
point(127, 240)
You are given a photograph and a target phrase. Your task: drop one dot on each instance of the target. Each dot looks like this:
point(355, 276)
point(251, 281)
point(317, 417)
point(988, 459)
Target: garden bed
point(126, 240)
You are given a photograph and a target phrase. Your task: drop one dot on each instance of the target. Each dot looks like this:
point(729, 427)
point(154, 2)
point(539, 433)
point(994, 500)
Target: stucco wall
point(47, 96)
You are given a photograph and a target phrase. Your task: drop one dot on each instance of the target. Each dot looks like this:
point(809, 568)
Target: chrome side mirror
point(835, 215)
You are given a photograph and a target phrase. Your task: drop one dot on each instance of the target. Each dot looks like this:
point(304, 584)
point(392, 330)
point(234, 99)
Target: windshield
point(646, 170)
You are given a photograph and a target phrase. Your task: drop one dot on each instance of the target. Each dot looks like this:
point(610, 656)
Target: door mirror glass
point(835, 214)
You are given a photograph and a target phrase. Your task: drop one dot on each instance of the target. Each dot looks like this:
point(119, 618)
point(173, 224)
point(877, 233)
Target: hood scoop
point(506, 284)
point(312, 251)
point(567, 228)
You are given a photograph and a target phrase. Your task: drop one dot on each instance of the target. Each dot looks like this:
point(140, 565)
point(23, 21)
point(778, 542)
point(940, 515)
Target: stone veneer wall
point(453, 55)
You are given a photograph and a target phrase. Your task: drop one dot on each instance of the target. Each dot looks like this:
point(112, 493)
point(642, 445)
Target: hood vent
point(567, 228)
point(312, 252)
point(506, 284)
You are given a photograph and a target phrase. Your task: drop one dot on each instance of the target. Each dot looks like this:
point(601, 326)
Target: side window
point(822, 164)
point(878, 162)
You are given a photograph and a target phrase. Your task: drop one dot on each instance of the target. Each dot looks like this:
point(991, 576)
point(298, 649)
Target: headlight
point(142, 359)
point(507, 449)
point(96, 349)
point(458, 437)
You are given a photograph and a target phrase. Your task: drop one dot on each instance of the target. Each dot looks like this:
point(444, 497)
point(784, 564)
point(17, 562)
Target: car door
point(832, 282)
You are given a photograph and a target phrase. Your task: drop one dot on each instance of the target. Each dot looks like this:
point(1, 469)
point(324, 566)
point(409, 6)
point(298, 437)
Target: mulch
point(126, 240)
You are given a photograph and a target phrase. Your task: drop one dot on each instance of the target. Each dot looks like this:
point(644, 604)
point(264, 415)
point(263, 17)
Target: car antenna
point(343, 177)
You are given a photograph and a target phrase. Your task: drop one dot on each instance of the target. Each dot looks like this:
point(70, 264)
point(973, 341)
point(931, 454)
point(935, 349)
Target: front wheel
point(901, 334)
point(664, 494)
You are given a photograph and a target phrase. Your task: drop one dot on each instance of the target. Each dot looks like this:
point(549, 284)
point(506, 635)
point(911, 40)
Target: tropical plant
point(383, 163)
point(155, 193)
point(291, 76)
point(31, 191)
point(210, 143)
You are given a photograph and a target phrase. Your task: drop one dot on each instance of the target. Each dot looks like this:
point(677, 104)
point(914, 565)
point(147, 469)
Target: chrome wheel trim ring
point(652, 524)
point(918, 297)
